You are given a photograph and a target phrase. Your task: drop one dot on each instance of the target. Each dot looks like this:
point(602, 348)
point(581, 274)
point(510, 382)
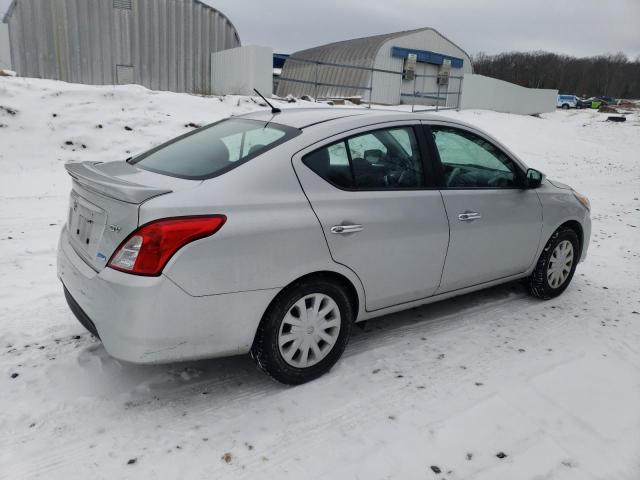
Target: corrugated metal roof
point(362, 50)
point(12, 5)
point(359, 52)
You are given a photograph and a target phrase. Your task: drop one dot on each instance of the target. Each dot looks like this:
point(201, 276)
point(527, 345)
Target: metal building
point(415, 66)
point(161, 44)
point(5, 54)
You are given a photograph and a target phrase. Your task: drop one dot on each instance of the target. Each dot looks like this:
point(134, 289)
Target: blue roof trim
point(279, 59)
point(426, 56)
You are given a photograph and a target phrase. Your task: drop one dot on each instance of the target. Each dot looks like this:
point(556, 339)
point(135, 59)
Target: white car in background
point(567, 101)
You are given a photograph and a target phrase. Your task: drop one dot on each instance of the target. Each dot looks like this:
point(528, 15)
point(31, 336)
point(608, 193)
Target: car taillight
point(147, 250)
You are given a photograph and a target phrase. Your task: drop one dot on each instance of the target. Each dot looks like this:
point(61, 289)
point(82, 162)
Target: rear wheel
point(304, 331)
point(556, 265)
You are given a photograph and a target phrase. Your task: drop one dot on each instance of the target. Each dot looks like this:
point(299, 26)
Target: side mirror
point(534, 178)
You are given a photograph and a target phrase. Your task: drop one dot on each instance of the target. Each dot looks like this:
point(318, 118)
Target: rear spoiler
point(88, 176)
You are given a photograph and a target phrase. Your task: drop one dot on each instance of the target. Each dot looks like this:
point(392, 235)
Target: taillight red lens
point(147, 250)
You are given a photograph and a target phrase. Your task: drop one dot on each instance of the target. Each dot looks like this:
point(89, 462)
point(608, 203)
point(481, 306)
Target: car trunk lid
point(104, 205)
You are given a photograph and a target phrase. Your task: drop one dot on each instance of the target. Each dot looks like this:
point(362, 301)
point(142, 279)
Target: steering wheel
point(500, 181)
point(454, 173)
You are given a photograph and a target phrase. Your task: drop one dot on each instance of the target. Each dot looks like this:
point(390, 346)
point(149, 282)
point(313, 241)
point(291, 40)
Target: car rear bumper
point(151, 319)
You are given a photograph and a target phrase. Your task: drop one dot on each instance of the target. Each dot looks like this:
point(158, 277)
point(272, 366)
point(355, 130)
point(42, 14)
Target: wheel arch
point(356, 297)
point(576, 227)
point(335, 277)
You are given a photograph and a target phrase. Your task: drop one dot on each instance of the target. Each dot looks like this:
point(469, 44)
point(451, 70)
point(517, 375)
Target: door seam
point(326, 241)
point(446, 255)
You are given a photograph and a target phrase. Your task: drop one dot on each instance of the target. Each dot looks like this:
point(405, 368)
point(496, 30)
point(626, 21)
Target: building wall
point(238, 71)
point(492, 94)
point(5, 53)
point(161, 44)
point(387, 87)
point(370, 52)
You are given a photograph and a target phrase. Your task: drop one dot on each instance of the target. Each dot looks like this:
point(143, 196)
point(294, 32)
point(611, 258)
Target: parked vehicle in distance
point(273, 233)
point(595, 102)
point(583, 103)
point(608, 100)
point(566, 101)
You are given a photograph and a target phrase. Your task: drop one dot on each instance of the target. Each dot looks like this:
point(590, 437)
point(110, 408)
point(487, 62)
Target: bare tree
point(613, 74)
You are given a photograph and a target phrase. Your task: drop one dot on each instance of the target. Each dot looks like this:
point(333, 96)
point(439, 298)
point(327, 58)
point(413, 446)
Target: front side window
point(381, 159)
point(470, 161)
point(215, 149)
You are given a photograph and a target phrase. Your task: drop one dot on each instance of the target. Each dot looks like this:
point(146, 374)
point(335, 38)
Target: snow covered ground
point(555, 385)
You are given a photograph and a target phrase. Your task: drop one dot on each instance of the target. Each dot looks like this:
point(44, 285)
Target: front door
point(495, 223)
point(380, 213)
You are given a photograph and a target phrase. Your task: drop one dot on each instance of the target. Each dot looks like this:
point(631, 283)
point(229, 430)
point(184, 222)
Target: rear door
point(495, 223)
point(380, 211)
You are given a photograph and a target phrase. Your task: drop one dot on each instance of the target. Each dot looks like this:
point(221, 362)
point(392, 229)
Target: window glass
point(257, 139)
point(215, 149)
point(332, 164)
point(234, 146)
point(367, 146)
point(388, 158)
point(469, 161)
point(403, 137)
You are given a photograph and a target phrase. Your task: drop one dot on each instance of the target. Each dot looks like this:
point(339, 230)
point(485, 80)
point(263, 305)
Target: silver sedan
point(273, 233)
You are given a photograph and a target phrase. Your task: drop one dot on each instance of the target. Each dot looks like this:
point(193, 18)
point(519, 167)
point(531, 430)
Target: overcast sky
point(575, 27)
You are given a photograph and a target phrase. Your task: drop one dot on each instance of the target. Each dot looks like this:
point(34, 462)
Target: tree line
point(612, 75)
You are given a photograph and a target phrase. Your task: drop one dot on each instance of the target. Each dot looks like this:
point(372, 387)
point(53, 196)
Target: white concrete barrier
point(488, 93)
point(238, 71)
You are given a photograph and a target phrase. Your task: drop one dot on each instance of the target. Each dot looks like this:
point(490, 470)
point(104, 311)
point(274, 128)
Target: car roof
point(306, 117)
point(342, 119)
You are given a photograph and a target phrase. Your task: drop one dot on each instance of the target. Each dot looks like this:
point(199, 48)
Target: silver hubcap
point(560, 264)
point(309, 330)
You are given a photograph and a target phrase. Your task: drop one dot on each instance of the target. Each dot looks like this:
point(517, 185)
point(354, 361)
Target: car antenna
point(273, 109)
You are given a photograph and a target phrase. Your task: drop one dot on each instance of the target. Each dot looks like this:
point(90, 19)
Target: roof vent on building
point(122, 4)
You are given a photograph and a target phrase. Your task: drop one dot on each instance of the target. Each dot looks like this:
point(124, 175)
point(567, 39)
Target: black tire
point(565, 106)
point(265, 350)
point(537, 283)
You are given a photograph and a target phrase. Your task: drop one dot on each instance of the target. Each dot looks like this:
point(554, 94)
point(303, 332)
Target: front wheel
point(556, 265)
point(304, 331)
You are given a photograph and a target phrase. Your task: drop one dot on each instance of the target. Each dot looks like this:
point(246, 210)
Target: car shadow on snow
point(237, 377)
point(428, 320)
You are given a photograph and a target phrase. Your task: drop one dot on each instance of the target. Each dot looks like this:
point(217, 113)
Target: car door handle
point(344, 229)
point(469, 216)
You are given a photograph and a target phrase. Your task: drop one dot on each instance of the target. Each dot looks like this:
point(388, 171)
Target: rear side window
point(378, 160)
point(216, 149)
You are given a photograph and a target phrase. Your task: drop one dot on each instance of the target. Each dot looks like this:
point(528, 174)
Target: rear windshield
point(215, 149)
